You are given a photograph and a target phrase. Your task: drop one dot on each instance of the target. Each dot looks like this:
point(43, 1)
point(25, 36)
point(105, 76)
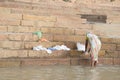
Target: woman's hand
point(86, 53)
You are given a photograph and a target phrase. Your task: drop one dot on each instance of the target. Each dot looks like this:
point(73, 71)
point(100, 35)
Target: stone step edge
point(55, 61)
point(41, 62)
point(44, 54)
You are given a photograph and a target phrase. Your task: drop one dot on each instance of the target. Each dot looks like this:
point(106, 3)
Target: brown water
point(60, 73)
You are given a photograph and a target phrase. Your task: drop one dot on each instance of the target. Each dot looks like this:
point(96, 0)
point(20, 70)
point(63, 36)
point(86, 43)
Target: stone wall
point(61, 23)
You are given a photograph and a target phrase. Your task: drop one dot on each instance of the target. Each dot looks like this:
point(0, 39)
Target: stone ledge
point(18, 62)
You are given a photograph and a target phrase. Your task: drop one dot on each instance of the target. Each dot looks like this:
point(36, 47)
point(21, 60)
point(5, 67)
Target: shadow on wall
point(94, 18)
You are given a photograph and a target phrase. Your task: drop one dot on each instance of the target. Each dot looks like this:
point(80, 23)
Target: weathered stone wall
point(60, 23)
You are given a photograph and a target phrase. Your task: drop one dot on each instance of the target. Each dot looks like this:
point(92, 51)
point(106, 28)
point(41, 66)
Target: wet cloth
point(38, 33)
point(80, 47)
point(60, 47)
point(95, 45)
point(50, 49)
point(40, 47)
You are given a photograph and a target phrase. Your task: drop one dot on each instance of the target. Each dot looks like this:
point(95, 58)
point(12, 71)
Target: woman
point(92, 46)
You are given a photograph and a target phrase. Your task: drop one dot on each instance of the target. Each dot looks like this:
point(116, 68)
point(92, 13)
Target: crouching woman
point(92, 47)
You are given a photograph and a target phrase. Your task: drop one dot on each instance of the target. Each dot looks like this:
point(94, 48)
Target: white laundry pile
point(49, 50)
point(80, 47)
point(38, 48)
point(58, 47)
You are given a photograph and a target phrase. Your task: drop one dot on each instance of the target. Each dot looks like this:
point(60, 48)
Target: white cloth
point(49, 50)
point(38, 48)
point(80, 47)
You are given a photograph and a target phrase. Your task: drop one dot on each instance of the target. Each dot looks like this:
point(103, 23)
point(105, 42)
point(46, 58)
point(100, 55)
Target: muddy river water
point(60, 73)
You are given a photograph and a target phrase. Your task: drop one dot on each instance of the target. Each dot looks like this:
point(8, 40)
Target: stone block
point(44, 54)
point(36, 53)
point(35, 38)
point(5, 44)
point(38, 62)
point(109, 47)
point(101, 53)
point(81, 31)
point(118, 47)
point(30, 45)
point(16, 5)
point(60, 38)
point(116, 40)
point(107, 40)
point(8, 53)
point(13, 53)
point(28, 23)
point(10, 45)
point(113, 19)
point(112, 54)
point(20, 37)
point(4, 10)
point(106, 61)
point(24, 11)
point(72, 38)
point(3, 37)
point(13, 37)
point(39, 18)
point(112, 32)
point(69, 23)
point(75, 53)
point(108, 54)
point(63, 61)
point(74, 61)
point(24, 0)
point(10, 22)
point(49, 37)
point(110, 40)
point(46, 62)
point(57, 31)
point(59, 54)
point(10, 16)
point(9, 63)
point(84, 62)
point(22, 53)
point(35, 1)
point(85, 26)
point(71, 45)
point(21, 29)
point(3, 28)
point(116, 61)
point(45, 30)
point(46, 24)
point(116, 54)
point(78, 38)
point(68, 31)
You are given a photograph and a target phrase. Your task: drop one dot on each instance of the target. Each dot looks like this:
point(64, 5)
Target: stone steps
point(5, 53)
point(50, 37)
point(38, 9)
point(36, 20)
point(56, 8)
point(54, 61)
point(60, 23)
point(9, 53)
point(26, 45)
point(110, 30)
point(12, 58)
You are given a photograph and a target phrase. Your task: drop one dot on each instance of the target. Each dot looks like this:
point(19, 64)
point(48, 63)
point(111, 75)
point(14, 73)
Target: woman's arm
point(86, 44)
